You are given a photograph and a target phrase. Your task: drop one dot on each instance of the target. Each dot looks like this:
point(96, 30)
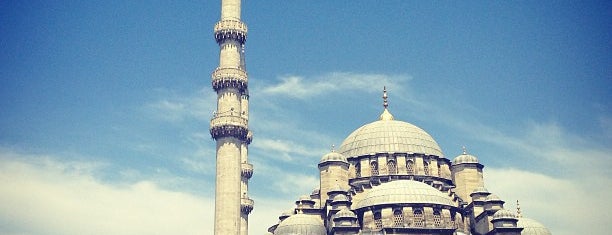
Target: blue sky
point(105, 105)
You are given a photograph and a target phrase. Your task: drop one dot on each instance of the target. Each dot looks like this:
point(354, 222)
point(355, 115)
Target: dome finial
point(386, 115)
point(464, 150)
point(518, 210)
point(333, 148)
point(385, 104)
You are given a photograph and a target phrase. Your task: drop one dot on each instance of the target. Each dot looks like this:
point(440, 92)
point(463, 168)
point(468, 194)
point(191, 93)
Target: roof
point(402, 191)
point(389, 136)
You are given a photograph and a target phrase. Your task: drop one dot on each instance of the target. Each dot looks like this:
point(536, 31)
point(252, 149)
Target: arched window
point(358, 170)
point(378, 220)
point(374, 167)
point(437, 218)
point(410, 167)
point(398, 218)
point(426, 168)
point(392, 167)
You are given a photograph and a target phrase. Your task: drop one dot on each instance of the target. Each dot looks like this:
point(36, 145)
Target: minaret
point(229, 125)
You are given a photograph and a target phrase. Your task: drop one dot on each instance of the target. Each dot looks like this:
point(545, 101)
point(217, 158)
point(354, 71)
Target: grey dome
point(532, 227)
point(386, 136)
point(503, 214)
point(465, 158)
point(333, 157)
point(301, 224)
point(402, 191)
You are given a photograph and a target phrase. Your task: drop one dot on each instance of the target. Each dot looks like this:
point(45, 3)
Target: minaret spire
point(229, 125)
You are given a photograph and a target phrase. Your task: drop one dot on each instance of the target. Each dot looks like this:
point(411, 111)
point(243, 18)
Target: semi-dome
point(532, 227)
point(333, 156)
point(389, 136)
point(402, 192)
point(301, 224)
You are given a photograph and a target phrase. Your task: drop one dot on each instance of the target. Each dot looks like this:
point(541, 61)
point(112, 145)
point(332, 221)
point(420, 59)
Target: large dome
point(389, 136)
point(403, 191)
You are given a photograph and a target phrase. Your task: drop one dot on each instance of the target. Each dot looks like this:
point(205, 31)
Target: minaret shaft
point(229, 125)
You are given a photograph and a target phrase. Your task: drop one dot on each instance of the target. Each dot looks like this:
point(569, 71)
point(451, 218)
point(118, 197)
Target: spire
point(386, 115)
point(518, 210)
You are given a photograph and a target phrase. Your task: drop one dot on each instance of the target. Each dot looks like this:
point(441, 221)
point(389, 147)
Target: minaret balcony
point(229, 126)
point(247, 170)
point(246, 205)
point(229, 77)
point(230, 29)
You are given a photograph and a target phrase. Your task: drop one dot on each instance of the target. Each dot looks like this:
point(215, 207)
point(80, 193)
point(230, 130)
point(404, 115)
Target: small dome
point(532, 227)
point(340, 198)
point(301, 224)
point(493, 198)
point(465, 158)
point(345, 213)
point(503, 214)
point(402, 191)
point(333, 157)
point(480, 190)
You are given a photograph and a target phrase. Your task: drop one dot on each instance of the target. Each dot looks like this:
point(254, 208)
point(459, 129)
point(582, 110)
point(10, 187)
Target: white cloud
point(303, 88)
point(41, 195)
point(565, 205)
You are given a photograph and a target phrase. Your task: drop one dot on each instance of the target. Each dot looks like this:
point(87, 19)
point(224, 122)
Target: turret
point(466, 173)
point(333, 169)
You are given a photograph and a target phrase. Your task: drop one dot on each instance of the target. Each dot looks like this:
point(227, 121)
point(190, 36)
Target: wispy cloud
point(174, 107)
point(41, 195)
point(305, 87)
point(286, 150)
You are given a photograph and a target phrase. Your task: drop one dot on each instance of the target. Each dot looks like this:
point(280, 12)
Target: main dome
point(389, 136)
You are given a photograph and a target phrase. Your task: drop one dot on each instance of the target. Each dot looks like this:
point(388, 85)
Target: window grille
point(426, 168)
point(437, 219)
point(374, 168)
point(358, 170)
point(392, 167)
point(378, 220)
point(410, 167)
point(419, 220)
point(398, 218)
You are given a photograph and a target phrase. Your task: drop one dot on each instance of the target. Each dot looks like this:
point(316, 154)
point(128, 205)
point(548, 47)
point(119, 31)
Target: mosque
point(387, 177)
